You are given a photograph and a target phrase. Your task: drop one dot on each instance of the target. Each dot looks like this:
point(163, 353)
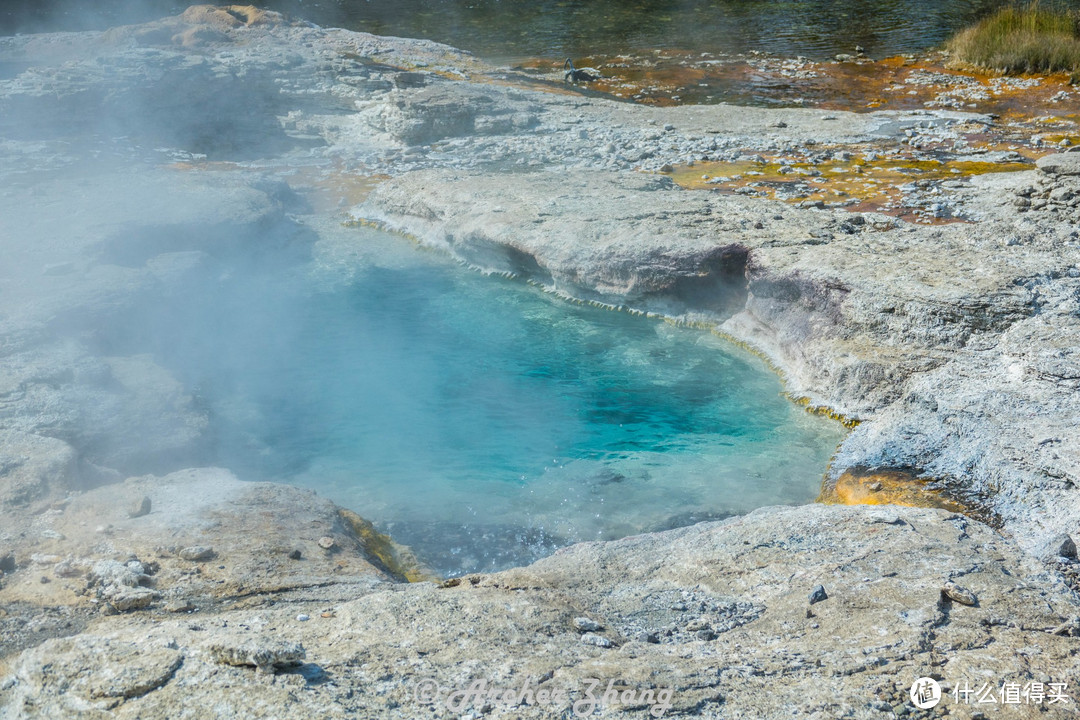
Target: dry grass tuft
point(1024, 39)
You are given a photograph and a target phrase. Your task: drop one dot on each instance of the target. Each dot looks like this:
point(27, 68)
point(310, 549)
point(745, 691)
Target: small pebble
point(326, 543)
point(958, 594)
point(295, 554)
point(302, 617)
point(818, 594)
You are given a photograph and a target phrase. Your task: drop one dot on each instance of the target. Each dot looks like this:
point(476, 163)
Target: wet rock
point(959, 594)
point(818, 594)
point(140, 507)
point(263, 653)
point(197, 553)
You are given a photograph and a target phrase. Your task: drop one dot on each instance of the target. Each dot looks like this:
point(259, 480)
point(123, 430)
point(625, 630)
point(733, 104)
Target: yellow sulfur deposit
point(884, 487)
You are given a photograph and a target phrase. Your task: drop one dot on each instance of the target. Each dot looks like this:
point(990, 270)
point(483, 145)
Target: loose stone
point(66, 569)
point(140, 508)
point(1060, 546)
point(264, 653)
point(197, 553)
point(585, 624)
point(597, 640)
point(818, 594)
point(326, 543)
point(134, 599)
point(959, 594)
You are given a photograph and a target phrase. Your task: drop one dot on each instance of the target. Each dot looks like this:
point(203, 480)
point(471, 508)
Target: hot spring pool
point(478, 419)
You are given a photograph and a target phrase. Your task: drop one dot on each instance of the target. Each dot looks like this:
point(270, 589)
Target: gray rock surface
point(1060, 164)
point(885, 624)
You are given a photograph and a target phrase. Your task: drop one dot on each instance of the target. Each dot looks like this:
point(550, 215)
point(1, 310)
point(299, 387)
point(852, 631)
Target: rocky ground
point(943, 319)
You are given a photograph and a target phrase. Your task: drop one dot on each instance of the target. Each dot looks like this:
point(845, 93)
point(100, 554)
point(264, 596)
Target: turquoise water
point(479, 419)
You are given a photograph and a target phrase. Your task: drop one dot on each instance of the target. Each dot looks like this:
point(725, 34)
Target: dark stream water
point(528, 28)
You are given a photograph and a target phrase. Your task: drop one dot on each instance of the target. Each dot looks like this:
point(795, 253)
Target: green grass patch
point(1027, 39)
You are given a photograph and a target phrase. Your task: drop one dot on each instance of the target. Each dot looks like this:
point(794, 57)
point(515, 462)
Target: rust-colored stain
point(668, 77)
point(1031, 116)
point(885, 487)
